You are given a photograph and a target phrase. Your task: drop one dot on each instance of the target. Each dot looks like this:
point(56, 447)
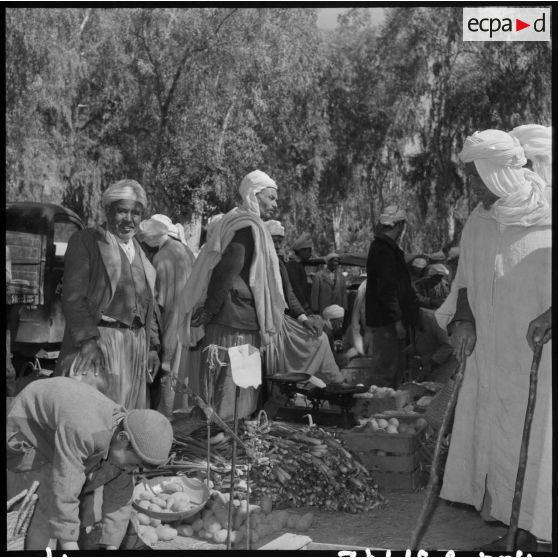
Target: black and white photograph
point(278, 278)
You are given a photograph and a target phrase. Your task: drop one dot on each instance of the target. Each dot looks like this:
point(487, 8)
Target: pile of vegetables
point(308, 466)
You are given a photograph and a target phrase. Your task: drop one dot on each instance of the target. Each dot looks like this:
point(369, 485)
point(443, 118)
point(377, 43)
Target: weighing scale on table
point(335, 394)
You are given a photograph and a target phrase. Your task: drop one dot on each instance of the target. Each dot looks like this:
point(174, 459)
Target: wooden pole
point(518, 494)
point(233, 466)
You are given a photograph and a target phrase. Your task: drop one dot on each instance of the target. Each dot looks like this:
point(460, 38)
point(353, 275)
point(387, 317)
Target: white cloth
point(275, 228)
point(499, 159)
point(333, 312)
point(153, 232)
point(536, 141)
point(252, 184)
point(507, 274)
point(127, 247)
point(265, 279)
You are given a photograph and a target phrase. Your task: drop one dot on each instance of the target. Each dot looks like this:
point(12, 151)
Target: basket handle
point(263, 421)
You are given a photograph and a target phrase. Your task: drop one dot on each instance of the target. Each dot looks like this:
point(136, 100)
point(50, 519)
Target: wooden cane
point(432, 490)
point(518, 494)
point(233, 467)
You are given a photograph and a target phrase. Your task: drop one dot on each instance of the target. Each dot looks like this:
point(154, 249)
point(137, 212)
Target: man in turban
point(433, 288)
point(503, 279)
point(301, 345)
point(391, 302)
point(328, 286)
point(173, 262)
point(111, 338)
point(302, 248)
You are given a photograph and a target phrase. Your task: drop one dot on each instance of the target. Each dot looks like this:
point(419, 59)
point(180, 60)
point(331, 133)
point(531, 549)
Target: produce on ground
point(391, 425)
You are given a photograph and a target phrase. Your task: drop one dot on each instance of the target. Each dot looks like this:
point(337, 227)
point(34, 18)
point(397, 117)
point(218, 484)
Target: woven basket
point(259, 426)
point(19, 518)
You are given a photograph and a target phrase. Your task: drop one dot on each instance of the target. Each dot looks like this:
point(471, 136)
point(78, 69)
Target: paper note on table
point(246, 366)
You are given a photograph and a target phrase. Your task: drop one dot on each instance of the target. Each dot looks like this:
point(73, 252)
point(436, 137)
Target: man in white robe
point(503, 280)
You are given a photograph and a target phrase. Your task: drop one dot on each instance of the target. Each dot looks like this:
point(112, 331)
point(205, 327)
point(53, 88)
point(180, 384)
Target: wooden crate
point(369, 406)
point(400, 468)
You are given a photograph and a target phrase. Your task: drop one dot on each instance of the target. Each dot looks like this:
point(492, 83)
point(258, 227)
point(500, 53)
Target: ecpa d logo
point(506, 23)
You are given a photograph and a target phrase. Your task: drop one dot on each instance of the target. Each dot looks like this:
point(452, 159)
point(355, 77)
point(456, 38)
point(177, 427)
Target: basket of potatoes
point(163, 500)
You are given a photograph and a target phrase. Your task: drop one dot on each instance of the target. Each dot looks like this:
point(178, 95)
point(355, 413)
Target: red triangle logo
point(519, 25)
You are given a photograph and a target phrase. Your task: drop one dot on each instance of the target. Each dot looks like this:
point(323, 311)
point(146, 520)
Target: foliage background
point(188, 100)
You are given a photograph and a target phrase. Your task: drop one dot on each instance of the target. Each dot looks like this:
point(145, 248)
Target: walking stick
point(432, 490)
point(233, 468)
point(518, 494)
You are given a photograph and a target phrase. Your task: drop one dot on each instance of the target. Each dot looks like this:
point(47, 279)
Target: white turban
point(153, 231)
point(438, 257)
point(251, 184)
point(124, 190)
point(302, 242)
point(392, 214)
point(499, 159)
point(536, 141)
point(333, 312)
point(330, 256)
point(275, 228)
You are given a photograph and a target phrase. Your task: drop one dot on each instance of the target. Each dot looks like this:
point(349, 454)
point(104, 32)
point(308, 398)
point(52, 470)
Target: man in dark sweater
point(391, 302)
point(302, 247)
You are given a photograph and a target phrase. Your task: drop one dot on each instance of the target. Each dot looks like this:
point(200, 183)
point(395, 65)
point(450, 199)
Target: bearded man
point(111, 338)
point(503, 279)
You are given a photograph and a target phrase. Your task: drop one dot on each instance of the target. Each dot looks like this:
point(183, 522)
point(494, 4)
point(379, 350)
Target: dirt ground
point(453, 526)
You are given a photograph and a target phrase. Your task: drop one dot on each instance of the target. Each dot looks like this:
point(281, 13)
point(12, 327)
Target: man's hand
point(153, 364)
point(311, 326)
point(400, 330)
point(463, 339)
point(90, 357)
point(540, 329)
point(201, 317)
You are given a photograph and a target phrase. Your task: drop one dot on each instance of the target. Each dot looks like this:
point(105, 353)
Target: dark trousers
point(387, 354)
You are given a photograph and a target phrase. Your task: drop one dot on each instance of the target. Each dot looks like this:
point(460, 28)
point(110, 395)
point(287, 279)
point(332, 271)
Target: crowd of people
point(143, 313)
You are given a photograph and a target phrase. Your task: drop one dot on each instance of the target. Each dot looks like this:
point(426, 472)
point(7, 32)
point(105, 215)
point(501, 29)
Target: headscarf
point(499, 159)
point(536, 141)
point(303, 241)
point(437, 269)
point(275, 228)
point(391, 215)
point(153, 232)
point(124, 190)
point(330, 256)
point(252, 184)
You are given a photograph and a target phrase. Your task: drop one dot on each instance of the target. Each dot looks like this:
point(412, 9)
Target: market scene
point(277, 279)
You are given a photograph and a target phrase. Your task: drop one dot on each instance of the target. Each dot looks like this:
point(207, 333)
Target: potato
point(143, 519)
point(201, 533)
point(179, 502)
point(222, 514)
point(236, 537)
point(143, 504)
point(171, 487)
point(166, 533)
point(197, 525)
point(158, 502)
point(154, 507)
point(207, 513)
point(148, 534)
point(208, 536)
point(306, 521)
point(154, 522)
point(212, 526)
point(220, 536)
point(145, 495)
point(185, 530)
point(164, 496)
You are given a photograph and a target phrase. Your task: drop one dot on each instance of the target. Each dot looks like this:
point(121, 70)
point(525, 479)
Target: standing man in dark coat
point(391, 302)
